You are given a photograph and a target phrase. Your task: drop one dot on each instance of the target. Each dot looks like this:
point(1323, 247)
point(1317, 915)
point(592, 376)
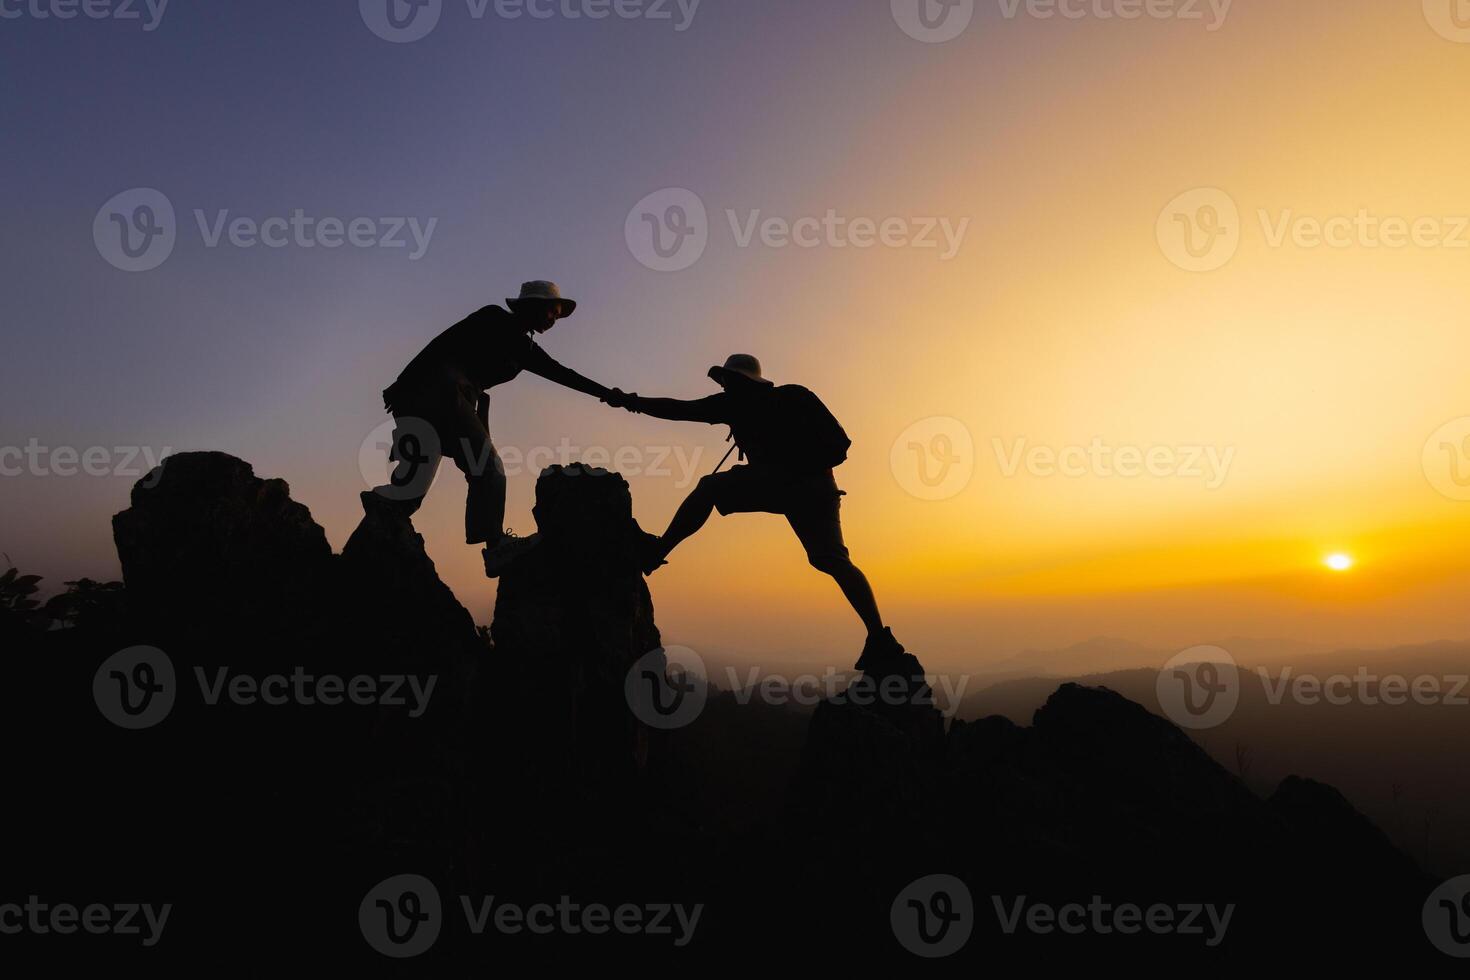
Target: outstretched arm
point(708, 410)
point(542, 364)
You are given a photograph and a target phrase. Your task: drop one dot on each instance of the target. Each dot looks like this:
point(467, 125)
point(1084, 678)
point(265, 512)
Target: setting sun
point(1339, 562)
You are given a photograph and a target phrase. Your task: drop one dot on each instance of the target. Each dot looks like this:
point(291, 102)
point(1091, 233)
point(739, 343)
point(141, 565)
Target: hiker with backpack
point(789, 443)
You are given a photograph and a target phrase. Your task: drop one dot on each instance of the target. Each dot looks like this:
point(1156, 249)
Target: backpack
point(808, 435)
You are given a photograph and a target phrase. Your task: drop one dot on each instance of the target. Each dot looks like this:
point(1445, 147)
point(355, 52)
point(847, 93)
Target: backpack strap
point(729, 438)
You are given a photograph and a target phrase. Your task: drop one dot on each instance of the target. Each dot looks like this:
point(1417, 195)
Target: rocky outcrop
point(575, 612)
point(207, 541)
point(410, 618)
point(872, 751)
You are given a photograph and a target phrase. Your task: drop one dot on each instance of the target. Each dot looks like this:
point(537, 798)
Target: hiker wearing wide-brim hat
point(441, 408)
point(789, 443)
point(738, 369)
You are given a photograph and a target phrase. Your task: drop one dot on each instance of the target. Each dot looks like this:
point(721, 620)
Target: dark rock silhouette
point(206, 540)
point(387, 565)
point(1387, 759)
point(527, 778)
point(576, 609)
point(1099, 796)
point(872, 752)
point(1318, 812)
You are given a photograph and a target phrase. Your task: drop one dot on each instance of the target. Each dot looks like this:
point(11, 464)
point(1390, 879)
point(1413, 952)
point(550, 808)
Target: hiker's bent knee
point(830, 564)
point(478, 460)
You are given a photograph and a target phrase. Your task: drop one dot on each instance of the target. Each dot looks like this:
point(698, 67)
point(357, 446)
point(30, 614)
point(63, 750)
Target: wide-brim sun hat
point(739, 366)
point(543, 290)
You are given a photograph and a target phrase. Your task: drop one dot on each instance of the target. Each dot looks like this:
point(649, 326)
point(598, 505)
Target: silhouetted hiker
point(792, 443)
point(441, 409)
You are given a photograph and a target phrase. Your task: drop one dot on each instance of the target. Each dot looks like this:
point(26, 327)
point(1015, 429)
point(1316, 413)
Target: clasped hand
point(618, 398)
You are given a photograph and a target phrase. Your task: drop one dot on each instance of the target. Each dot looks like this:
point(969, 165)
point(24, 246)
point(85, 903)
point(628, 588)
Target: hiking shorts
point(811, 504)
point(447, 407)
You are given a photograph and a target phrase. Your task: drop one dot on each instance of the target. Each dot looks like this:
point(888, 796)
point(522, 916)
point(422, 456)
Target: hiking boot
point(879, 648)
point(651, 553)
point(506, 552)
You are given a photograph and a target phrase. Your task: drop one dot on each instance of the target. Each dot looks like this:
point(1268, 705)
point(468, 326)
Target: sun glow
point(1339, 562)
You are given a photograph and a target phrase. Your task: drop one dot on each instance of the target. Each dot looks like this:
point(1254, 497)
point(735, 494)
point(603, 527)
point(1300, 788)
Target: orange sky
point(1319, 373)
